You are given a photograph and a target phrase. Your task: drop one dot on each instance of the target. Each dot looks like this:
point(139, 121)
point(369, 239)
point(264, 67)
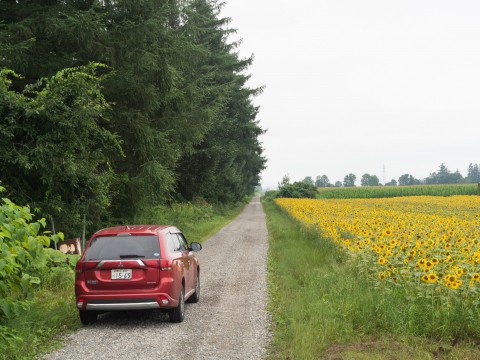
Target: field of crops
point(395, 191)
point(427, 243)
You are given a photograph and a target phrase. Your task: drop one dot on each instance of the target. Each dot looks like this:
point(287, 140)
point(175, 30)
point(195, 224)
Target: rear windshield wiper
point(131, 256)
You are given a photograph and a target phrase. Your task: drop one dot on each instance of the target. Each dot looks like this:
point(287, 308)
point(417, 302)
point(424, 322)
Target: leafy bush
point(197, 219)
point(22, 254)
point(177, 214)
point(270, 194)
point(297, 190)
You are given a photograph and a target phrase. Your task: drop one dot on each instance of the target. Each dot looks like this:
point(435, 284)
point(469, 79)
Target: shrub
point(22, 253)
point(270, 194)
point(297, 190)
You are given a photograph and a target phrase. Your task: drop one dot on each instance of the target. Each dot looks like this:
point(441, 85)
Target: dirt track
point(229, 322)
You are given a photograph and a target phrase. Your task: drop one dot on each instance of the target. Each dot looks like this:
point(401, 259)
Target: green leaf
point(35, 228)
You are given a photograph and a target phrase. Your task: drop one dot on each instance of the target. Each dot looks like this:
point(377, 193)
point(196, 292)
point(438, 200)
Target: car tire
point(195, 298)
point(88, 317)
point(177, 314)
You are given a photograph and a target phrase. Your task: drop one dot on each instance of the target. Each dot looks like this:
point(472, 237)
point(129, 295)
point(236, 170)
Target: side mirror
point(194, 246)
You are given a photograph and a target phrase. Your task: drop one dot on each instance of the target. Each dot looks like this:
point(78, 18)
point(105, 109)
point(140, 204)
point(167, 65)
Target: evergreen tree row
point(112, 106)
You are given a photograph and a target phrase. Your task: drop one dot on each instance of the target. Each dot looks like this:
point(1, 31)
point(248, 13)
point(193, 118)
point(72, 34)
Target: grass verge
point(53, 314)
point(323, 307)
point(198, 221)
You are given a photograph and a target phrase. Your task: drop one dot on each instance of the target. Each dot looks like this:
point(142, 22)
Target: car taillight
point(80, 302)
point(166, 265)
point(152, 263)
point(78, 269)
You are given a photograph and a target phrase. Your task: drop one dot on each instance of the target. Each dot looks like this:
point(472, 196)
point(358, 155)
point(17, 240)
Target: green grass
point(395, 191)
point(323, 306)
point(198, 221)
point(51, 315)
point(53, 312)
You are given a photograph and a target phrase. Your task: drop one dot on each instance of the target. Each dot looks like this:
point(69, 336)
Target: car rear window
point(123, 247)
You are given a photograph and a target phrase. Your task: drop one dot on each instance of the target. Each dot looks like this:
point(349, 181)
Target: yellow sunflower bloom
point(432, 278)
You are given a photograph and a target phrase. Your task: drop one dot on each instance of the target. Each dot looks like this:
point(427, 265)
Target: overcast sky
point(353, 86)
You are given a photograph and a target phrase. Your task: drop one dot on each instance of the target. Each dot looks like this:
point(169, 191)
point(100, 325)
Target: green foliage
point(285, 181)
point(392, 182)
point(369, 180)
point(225, 164)
point(51, 316)
point(444, 176)
point(394, 191)
point(54, 151)
point(298, 189)
point(323, 181)
point(308, 180)
point(407, 179)
point(473, 175)
point(197, 220)
point(270, 194)
point(22, 252)
point(349, 180)
point(175, 99)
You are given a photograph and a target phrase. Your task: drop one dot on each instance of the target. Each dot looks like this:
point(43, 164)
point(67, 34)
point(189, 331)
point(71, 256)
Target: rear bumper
point(127, 304)
point(125, 301)
point(162, 297)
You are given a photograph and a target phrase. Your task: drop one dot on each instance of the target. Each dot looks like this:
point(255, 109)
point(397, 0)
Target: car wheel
point(196, 295)
point(178, 314)
point(88, 317)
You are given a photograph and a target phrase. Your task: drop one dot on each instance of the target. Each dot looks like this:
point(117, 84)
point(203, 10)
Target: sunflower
point(450, 279)
point(382, 260)
point(432, 278)
point(452, 285)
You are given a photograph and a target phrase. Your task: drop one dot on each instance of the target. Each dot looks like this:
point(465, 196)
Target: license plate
point(121, 274)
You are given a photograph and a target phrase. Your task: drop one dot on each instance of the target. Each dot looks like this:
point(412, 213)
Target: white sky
point(352, 85)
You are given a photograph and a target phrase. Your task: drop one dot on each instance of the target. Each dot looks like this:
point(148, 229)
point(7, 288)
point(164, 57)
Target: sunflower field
point(427, 244)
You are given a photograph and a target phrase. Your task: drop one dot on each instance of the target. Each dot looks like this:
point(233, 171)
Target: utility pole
point(384, 178)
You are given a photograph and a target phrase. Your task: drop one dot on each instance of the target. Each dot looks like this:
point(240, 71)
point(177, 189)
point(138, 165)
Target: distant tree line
point(442, 176)
point(111, 107)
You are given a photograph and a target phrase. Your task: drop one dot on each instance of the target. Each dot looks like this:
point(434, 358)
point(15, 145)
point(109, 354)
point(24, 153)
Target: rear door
point(123, 262)
point(178, 252)
point(189, 263)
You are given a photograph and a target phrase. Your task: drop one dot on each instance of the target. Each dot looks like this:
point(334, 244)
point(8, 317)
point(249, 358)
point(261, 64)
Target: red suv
point(137, 267)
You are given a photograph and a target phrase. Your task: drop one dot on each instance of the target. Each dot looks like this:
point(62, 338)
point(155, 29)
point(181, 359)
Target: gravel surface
point(229, 322)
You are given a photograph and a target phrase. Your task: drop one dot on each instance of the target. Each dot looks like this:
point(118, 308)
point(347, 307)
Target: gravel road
point(229, 322)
